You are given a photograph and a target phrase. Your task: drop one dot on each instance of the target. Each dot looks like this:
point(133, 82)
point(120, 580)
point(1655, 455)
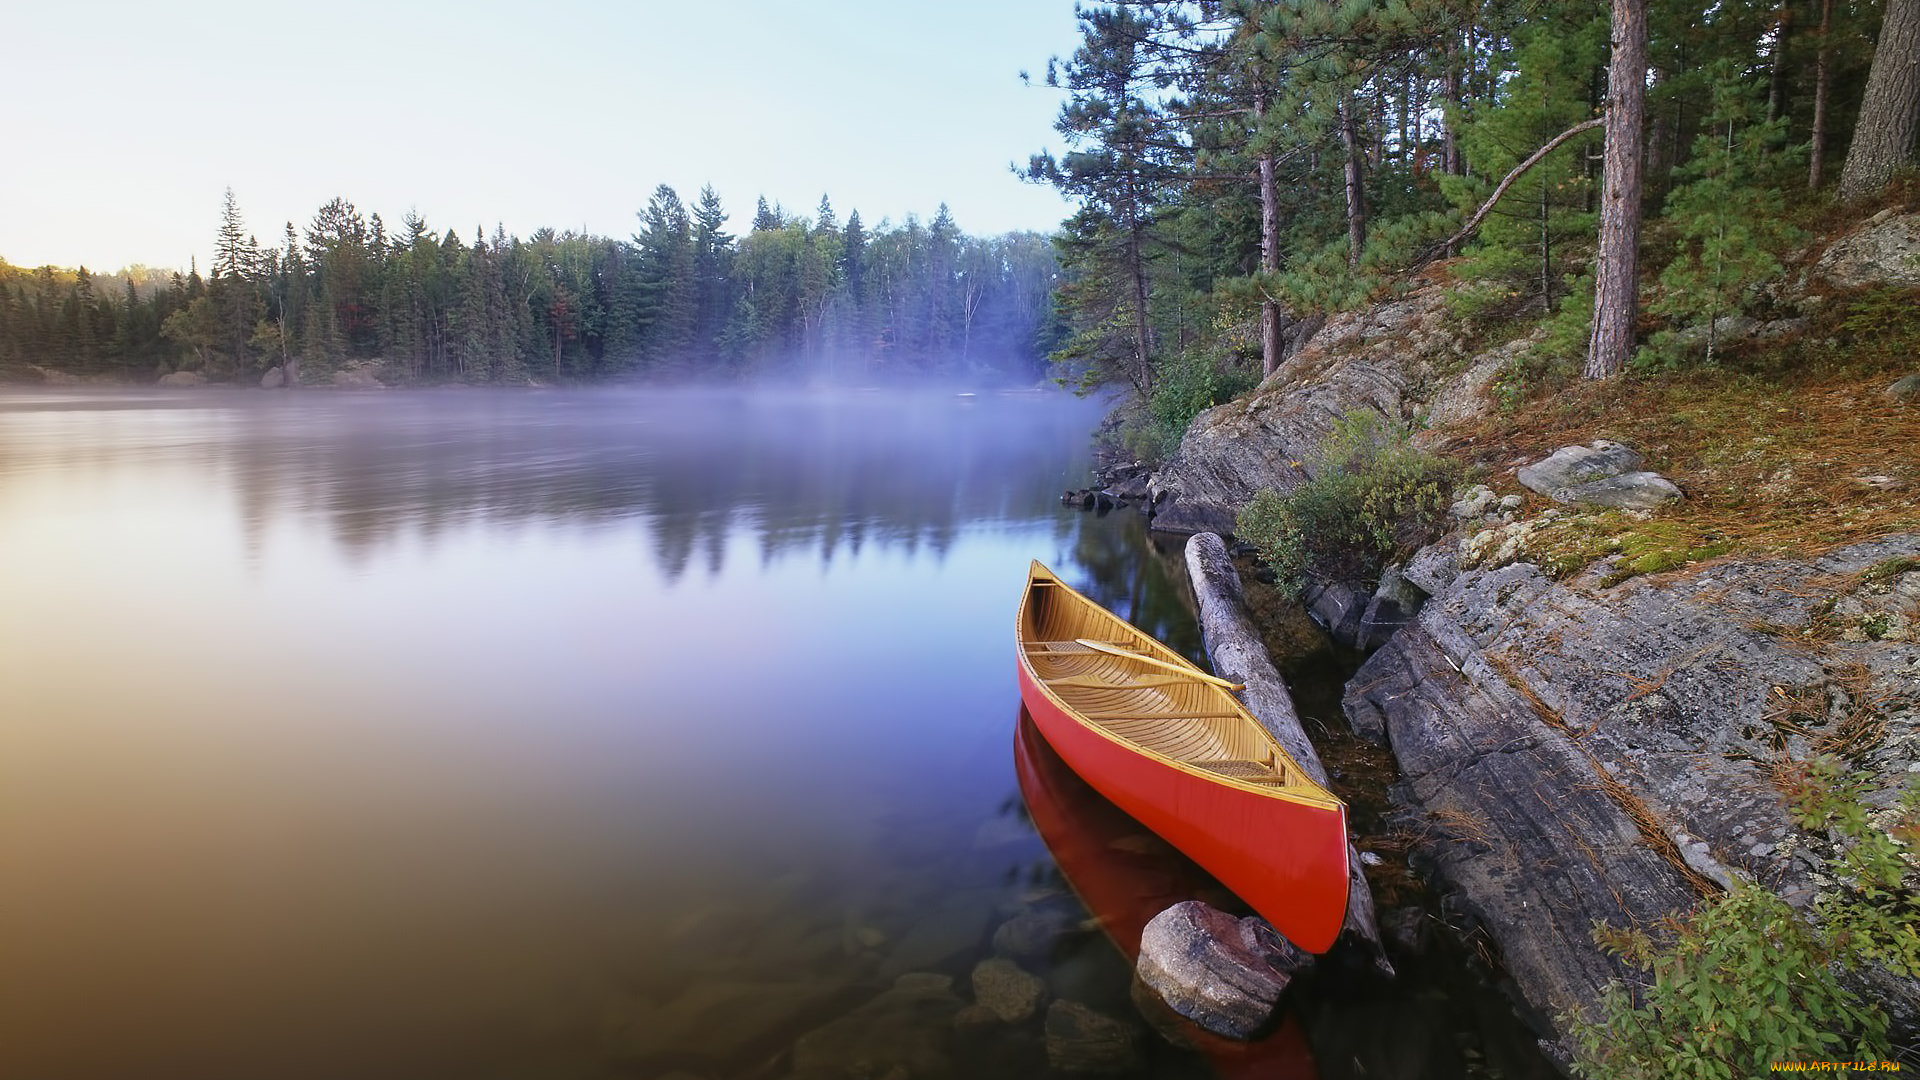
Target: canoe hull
point(1286, 857)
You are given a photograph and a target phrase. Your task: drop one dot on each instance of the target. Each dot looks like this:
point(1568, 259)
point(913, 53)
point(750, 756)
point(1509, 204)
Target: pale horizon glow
point(482, 114)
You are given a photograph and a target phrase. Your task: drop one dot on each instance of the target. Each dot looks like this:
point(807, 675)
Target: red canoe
point(1170, 745)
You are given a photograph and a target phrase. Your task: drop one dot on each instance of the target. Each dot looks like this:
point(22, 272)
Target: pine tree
point(668, 297)
point(1883, 139)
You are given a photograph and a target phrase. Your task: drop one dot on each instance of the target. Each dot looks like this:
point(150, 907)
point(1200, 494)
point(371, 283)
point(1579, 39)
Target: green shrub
point(1746, 980)
point(1188, 384)
point(1373, 498)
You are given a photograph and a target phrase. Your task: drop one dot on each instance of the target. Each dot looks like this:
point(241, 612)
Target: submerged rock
point(1010, 993)
point(1223, 973)
point(955, 927)
point(909, 1027)
point(1032, 935)
point(1080, 1040)
point(722, 1022)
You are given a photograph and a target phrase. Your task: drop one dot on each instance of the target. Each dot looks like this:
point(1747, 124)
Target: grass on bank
point(1789, 445)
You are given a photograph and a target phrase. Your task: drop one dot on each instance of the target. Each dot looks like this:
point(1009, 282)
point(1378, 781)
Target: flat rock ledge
point(1224, 973)
point(1574, 754)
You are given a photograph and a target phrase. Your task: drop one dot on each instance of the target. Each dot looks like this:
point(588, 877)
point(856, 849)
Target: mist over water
point(420, 733)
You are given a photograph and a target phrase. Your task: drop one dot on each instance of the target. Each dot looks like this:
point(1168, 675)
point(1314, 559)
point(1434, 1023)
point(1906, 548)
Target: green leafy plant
point(1746, 979)
point(1187, 385)
point(1372, 498)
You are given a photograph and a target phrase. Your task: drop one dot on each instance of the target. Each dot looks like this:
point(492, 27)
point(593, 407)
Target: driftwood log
point(1236, 652)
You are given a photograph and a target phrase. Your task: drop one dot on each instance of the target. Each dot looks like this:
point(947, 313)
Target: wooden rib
point(1088, 682)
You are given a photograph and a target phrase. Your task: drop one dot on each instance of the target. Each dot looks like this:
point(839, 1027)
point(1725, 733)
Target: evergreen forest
point(1241, 169)
point(1244, 168)
point(813, 299)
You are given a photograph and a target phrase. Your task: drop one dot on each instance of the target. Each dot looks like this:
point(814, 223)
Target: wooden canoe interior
point(1167, 714)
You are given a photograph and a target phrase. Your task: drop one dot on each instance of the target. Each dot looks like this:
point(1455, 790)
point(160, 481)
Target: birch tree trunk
point(1269, 251)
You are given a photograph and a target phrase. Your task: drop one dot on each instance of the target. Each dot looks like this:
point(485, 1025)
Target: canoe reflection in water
point(1125, 875)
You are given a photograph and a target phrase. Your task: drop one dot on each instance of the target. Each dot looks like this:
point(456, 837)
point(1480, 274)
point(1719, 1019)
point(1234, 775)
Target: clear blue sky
point(132, 118)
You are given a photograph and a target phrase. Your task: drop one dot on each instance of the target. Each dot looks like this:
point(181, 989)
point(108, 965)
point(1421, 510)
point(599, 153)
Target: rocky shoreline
point(1600, 748)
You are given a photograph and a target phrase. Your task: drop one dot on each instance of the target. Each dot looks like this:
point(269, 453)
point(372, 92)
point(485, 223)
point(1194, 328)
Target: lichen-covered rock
point(1575, 755)
point(1884, 251)
point(1603, 473)
point(1223, 973)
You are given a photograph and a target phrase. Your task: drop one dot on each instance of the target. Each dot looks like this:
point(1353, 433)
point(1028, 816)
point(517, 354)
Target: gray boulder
point(1884, 251)
point(1571, 466)
point(1628, 491)
point(1906, 389)
point(1395, 602)
point(183, 378)
point(1223, 973)
point(273, 379)
point(1603, 474)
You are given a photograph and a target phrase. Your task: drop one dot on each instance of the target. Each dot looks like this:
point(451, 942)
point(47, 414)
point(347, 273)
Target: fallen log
point(1237, 653)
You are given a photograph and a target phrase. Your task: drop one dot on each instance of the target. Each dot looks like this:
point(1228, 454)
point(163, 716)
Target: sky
point(131, 119)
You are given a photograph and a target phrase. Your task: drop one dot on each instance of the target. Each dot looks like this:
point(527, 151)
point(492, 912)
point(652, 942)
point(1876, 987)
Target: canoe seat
point(1068, 648)
point(1260, 772)
point(1158, 718)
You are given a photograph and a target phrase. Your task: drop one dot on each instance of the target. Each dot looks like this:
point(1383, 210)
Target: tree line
point(1243, 168)
point(794, 297)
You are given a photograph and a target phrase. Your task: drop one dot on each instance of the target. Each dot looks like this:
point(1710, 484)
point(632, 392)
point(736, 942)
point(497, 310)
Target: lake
point(491, 734)
point(519, 733)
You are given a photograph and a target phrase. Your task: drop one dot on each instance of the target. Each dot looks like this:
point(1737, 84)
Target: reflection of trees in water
point(799, 472)
point(1140, 576)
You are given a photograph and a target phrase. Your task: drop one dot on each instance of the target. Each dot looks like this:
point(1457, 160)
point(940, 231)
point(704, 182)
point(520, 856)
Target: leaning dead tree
point(1236, 652)
point(1452, 243)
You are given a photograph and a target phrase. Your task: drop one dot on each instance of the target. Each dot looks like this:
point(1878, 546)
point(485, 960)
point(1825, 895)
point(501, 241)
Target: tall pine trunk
point(1890, 111)
point(1616, 295)
point(1356, 193)
point(1822, 85)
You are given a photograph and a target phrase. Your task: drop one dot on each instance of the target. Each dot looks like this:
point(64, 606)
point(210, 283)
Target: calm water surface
point(524, 734)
